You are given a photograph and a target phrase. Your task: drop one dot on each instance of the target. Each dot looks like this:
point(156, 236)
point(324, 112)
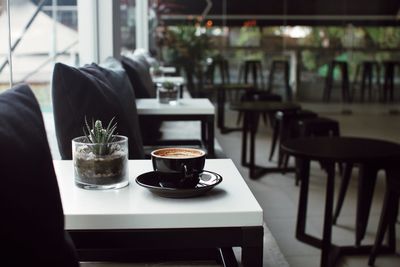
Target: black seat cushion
point(95, 93)
point(137, 69)
point(139, 74)
point(32, 221)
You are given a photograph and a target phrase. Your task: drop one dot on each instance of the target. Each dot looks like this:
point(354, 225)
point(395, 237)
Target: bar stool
point(253, 68)
point(388, 217)
point(259, 95)
point(218, 64)
point(285, 127)
point(389, 77)
point(369, 71)
point(319, 126)
point(330, 79)
point(284, 66)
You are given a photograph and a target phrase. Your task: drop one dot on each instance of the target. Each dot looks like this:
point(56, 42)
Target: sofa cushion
point(138, 71)
point(32, 220)
point(95, 93)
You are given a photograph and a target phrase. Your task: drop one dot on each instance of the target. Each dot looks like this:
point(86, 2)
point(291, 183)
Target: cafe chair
point(32, 224)
point(329, 81)
point(387, 221)
point(319, 126)
point(389, 79)
point(282, 65)
point(93, 92)
point(251, 70)
point(286, 127)
point(370, 77)
point(259, 95)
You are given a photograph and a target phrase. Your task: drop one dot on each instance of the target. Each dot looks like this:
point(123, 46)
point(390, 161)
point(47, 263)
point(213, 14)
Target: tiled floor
point(278, 196)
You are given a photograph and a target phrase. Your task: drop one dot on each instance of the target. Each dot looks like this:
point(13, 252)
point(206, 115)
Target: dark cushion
point(137, 69)
point(96, 93)
point(32, 221)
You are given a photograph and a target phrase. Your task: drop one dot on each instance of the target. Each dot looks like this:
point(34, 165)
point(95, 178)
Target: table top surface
point(185, 106)
point(264, 106)
point(346, 149)
point(173, 79)
point(229, 204)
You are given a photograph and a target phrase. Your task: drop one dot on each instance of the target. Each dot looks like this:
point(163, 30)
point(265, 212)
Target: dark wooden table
point(252, 111)
point(221, 99)
point(371, 155)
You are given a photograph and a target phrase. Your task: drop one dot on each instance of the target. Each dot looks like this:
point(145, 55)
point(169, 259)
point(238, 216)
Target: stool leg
point(363, 77)
point(346, 175)
point(271, 78)
point(275, 135)
point(387, 214)
point(366, 185)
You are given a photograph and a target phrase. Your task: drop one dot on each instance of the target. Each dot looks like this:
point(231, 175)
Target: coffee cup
point(179, 167)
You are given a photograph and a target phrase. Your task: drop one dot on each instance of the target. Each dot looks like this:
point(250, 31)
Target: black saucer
point(157, 184)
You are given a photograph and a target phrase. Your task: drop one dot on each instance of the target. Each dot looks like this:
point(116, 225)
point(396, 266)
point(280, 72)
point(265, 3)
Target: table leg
point(253, 130)
point(221, 98)
point(366, 185)
point(221, 109)
point(210, 135)
point(327, 232)
point(346, 175)
point(252, 248)
point(244, 139)
point(303, 174)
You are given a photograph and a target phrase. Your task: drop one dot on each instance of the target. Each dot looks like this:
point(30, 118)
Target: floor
point(278, 195)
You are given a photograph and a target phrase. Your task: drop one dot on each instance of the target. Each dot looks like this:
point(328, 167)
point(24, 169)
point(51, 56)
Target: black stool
point(318, 127)
point(369, 70)
point(389, 214)
point(285, 127)
point(388, 83)
point(259, 95)
point(330, 79)
point(253, 68)
point(284, 65)
point(218, 64)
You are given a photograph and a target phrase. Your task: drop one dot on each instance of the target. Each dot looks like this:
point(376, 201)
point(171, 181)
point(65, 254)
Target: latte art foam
point(178, 153)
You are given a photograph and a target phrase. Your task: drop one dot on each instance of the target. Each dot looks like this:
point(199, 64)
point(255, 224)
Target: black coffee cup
point(179, 167)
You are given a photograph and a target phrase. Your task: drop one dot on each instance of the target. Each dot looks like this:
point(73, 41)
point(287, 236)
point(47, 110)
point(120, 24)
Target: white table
point(187, 109)
point(173, 79)
point(226, 216)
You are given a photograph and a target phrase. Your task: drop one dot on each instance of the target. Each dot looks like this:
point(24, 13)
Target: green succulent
point(100, 137)
point(168, 85)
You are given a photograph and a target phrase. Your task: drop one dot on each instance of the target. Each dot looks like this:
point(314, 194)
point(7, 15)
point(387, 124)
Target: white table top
point(185, 106)
point(173, 79)
point(229, 204)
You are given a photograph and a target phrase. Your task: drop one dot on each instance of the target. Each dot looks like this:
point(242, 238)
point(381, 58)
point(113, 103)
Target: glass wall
point(308, 37)
point(42, 33)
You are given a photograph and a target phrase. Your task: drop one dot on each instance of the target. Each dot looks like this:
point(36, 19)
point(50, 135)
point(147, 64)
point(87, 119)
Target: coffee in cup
point(180, 166)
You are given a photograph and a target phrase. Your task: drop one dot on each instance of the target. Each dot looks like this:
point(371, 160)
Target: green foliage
point(100, 137)
point(168, 85)
point(187, 47)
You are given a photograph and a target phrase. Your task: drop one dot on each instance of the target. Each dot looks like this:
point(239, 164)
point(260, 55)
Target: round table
point(252, 111)
point(370, 154)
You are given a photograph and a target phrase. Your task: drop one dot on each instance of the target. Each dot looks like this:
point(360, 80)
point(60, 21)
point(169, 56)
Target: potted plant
point(100, 157)
point(167, 93)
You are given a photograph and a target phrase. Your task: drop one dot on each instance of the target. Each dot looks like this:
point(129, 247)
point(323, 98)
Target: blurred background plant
point(187, 47)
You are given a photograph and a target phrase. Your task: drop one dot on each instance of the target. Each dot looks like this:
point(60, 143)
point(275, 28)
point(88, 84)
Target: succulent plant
point(168, 85)
point(101, 137)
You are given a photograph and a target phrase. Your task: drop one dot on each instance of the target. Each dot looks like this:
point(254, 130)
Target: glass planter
point(100, 166)
point(167, 95)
